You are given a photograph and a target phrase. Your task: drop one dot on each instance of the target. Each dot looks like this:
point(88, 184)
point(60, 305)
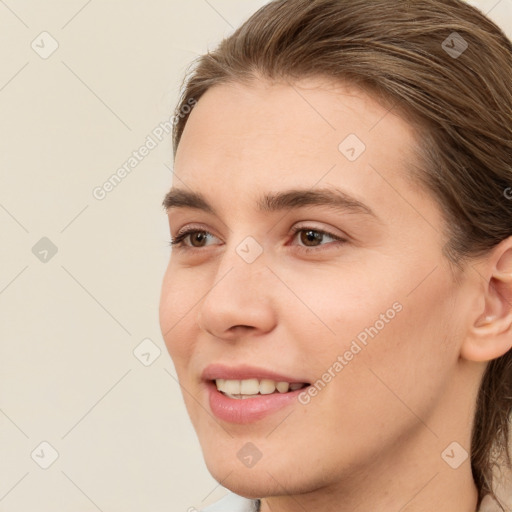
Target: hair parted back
point(461, 106)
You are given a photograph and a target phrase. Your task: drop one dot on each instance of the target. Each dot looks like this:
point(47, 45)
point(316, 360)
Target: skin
point(372, 439)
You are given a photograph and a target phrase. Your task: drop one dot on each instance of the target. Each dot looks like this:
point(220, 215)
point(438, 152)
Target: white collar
point(233, 503)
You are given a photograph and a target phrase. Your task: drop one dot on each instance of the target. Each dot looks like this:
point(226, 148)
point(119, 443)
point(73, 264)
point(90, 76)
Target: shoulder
point(233, 503)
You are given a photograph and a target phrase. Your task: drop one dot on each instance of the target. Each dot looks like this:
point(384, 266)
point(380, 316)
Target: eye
point(199, 237)
point(311, 235)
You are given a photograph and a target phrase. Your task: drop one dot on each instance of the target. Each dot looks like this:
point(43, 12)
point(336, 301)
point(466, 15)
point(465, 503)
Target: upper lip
point(243, 372)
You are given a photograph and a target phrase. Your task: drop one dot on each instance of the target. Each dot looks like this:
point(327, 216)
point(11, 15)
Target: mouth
point(250, 388)
point(247, 394)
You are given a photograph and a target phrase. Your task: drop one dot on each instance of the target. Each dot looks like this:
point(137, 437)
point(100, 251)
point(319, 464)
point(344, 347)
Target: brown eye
point(196, 236)
point(199, 237)
point(310, 237)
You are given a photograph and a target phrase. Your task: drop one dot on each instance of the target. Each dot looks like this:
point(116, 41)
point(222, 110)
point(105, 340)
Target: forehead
point(290, 122)
point(244, 138)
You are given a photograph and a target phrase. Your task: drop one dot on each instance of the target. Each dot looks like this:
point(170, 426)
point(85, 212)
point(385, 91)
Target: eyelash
point(179, 239)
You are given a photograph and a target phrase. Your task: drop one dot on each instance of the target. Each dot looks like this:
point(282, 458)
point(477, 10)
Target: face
point(314, 261)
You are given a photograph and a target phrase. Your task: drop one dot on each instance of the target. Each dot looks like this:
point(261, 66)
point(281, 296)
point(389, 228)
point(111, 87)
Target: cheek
point(380, 336)
point(400, 357)
point(340, 307)
point(176, 311)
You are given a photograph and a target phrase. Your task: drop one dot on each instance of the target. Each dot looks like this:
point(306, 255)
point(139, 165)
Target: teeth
point(283, 387)
point(232, 387)
point(251, 387)
point(267, 386)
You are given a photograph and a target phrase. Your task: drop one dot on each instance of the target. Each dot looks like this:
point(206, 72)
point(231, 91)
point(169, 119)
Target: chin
point(249, 483)
point(265, 478)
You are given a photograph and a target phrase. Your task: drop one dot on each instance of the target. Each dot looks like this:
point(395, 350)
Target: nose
point(240, 298)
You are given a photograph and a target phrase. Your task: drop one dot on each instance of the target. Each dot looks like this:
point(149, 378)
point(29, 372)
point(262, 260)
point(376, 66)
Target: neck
point(412, 477)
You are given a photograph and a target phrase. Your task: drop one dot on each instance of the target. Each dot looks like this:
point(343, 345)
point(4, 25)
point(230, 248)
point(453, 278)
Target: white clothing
point(233, 503)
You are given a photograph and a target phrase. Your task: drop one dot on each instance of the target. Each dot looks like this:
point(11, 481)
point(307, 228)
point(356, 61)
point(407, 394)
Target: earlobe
point(490, 335)
point(489, 339)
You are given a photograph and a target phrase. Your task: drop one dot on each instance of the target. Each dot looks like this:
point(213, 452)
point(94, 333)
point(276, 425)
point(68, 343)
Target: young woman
point(338, 301)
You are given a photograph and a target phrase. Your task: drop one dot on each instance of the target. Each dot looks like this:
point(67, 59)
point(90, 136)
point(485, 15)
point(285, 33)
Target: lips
point(244, 372)
point(244, 394)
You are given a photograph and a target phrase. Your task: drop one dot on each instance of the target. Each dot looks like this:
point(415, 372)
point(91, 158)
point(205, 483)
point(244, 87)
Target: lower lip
point(248, 410)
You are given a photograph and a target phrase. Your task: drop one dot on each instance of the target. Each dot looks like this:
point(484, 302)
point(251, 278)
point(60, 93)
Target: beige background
point(71, 321)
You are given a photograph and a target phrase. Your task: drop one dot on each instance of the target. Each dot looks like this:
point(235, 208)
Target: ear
point(490, 334)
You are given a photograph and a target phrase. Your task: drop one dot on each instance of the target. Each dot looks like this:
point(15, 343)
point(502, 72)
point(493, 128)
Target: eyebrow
point(333, 198)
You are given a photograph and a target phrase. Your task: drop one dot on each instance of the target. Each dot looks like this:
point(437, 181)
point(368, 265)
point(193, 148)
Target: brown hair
point(445, 67)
